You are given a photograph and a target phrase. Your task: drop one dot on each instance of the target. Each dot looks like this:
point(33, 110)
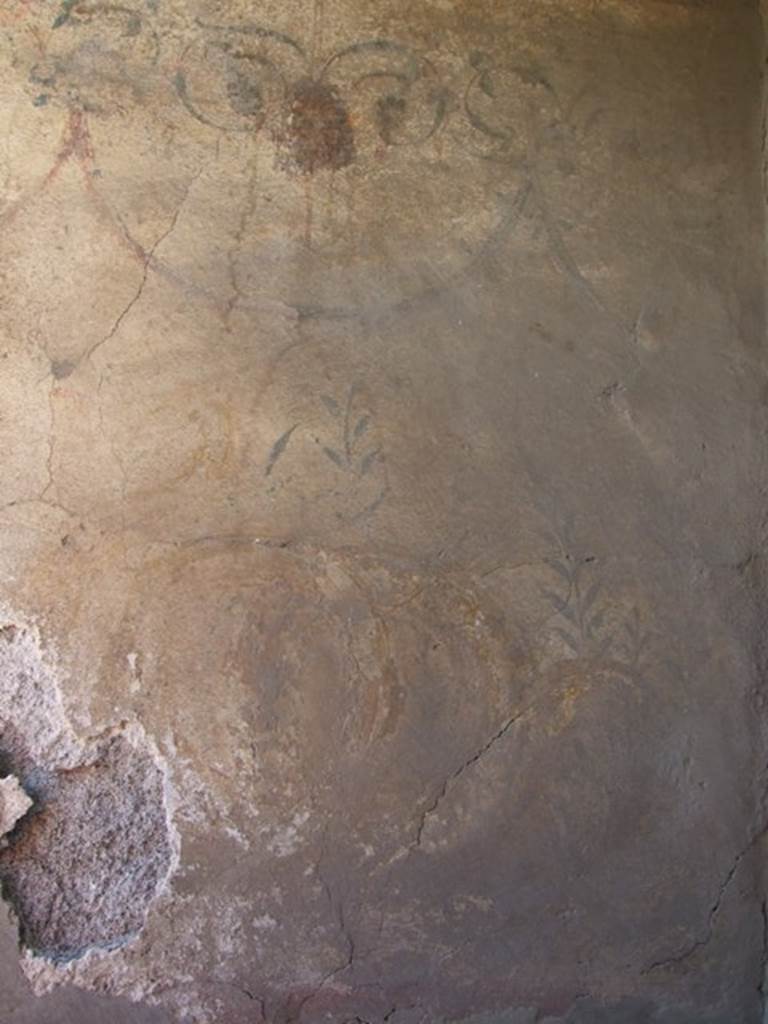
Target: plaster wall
point(382, 512)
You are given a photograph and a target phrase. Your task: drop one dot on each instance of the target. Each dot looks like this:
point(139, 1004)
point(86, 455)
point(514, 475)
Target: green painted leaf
point(560, 568)
point(602, 648)
point(597, 620)
point(361, 426)
point(570, 641)
point(330, 404)
point(557, 602)
point(589, 598)
point(334, 456)
point(368, 461)
point(65, 13)
point(278, 448)
point(486, 84)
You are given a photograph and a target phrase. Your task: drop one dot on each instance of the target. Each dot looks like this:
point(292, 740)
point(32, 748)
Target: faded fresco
point(382, 512)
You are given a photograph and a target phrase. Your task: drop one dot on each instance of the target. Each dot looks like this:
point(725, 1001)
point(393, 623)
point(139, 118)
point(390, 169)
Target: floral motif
point(243, 78)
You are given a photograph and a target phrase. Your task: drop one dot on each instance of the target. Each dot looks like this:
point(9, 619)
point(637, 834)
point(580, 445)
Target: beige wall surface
point(382, 512)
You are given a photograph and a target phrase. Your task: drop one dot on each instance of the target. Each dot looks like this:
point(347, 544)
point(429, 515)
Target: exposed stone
point(14, 804)
point(84, 870)
point(89, 841)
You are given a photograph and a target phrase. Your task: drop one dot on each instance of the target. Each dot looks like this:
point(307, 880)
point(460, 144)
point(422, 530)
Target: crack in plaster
point(714, 910)
point(146, 259)
point(450, 779)
point(337, 908)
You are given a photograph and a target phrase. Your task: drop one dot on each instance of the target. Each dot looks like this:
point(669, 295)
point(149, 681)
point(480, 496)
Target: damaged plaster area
point(14, 804)
point(86, 841)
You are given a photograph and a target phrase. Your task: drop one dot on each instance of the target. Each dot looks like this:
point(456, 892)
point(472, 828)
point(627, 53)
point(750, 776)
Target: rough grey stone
point(82, 872)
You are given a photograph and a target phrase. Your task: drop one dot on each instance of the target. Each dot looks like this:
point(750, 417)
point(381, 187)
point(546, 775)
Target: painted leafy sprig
point(635, 639)
point(577, 599)
point(351, 451)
